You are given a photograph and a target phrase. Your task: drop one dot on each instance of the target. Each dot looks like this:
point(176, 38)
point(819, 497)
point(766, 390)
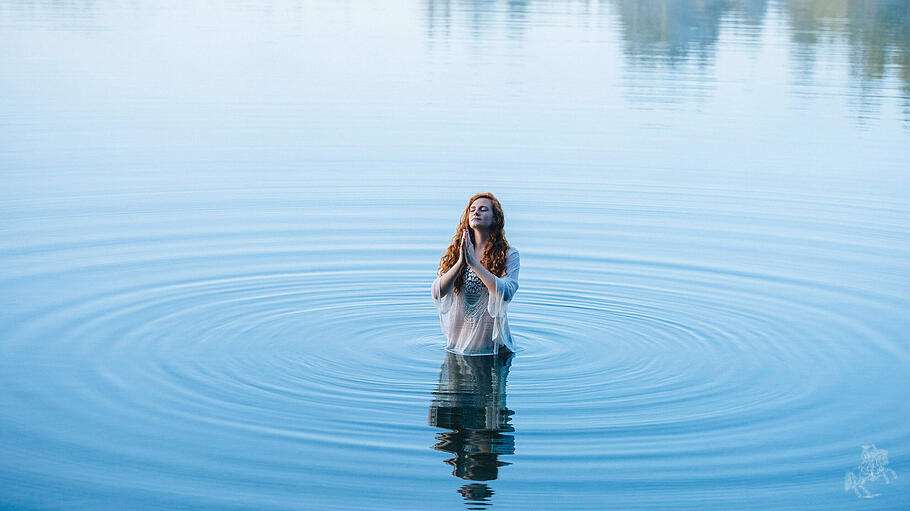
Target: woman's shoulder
point(512, 252)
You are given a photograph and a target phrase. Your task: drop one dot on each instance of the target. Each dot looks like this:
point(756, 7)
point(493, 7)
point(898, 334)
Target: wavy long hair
point(494, 255)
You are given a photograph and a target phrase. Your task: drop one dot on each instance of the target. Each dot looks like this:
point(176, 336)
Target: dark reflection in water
point(675, 30)
point(682, 36)
point(470, 402)
point(677, 35)
point(878, 33)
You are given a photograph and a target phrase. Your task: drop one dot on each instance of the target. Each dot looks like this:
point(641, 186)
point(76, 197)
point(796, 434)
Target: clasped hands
point(467, 250)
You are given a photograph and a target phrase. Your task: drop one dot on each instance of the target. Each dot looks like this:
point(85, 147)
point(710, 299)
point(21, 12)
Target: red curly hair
point(494, 255)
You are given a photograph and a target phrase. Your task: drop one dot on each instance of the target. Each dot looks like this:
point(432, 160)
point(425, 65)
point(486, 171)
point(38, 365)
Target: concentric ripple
point(716, 344)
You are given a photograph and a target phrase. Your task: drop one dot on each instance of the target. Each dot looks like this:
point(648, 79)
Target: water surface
point(219, 223)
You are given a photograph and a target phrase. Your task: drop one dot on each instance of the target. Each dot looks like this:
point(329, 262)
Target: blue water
point(219, 222)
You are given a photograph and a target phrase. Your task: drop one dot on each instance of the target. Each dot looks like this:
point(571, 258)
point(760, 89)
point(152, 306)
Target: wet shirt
point(474, 320)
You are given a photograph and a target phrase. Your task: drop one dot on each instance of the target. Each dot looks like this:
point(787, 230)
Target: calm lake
point(220, 220)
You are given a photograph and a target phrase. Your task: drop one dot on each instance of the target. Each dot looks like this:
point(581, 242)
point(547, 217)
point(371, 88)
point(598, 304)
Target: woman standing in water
point(477, 277)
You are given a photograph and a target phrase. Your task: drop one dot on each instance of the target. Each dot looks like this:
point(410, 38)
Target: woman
point(477, 277)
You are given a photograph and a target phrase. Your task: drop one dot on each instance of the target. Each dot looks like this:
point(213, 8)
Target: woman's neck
point(481, 238)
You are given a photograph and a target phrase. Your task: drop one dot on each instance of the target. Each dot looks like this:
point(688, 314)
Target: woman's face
point(480, 214)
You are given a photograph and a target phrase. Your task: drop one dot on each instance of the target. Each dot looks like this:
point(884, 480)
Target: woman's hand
point(447, 280)
point(467, 249)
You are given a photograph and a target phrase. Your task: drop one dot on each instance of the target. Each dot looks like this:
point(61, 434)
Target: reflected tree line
point(680, 30)
point(685, 32)
point(878, 32)
point(654, 32)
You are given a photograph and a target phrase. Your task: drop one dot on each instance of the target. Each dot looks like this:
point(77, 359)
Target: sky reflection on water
point(755, 94)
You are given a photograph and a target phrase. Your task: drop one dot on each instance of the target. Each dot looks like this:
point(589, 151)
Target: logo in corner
point(872, 468)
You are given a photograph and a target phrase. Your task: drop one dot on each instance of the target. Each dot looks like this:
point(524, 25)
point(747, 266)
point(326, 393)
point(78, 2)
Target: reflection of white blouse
point(474, 320)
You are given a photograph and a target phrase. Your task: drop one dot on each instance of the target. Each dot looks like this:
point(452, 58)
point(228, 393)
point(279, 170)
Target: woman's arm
point(447, 279)
point(505, 286)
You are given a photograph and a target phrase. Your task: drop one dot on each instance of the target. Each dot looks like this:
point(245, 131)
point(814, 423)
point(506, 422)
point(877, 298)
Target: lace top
point(474, 320)
point(475, 295)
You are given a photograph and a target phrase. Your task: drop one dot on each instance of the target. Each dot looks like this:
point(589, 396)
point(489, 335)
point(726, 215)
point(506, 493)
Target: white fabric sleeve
point(443, 303)
point(505, 289)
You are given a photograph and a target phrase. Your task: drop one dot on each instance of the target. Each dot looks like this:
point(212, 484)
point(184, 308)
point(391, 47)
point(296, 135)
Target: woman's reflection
point(470, 402)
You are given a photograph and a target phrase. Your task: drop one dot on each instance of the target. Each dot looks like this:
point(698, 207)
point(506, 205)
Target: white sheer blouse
point(474, 320)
